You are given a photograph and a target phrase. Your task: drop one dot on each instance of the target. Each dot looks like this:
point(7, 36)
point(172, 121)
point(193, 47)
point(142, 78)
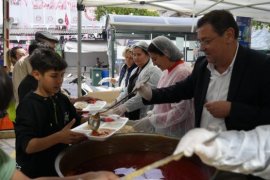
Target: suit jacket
point(249, 90)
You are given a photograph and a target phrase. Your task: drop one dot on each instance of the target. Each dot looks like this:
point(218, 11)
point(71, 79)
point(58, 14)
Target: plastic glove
point(120, 110)
point(144, 90)
point(192, 139)
point(233, 151)
point(143, 125)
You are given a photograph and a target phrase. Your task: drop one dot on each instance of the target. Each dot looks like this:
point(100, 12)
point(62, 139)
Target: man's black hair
point(45, 59)
point(221, 20)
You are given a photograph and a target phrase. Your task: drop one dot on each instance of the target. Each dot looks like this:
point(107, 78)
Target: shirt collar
point(211, 67)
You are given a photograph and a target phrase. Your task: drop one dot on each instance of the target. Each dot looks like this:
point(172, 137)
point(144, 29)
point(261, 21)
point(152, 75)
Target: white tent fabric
point(256, 9)
point(260, 39)
point(90, 51)
point(94, 46)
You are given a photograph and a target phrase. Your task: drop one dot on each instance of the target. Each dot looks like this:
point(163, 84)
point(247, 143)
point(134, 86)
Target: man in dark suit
point(230, 84)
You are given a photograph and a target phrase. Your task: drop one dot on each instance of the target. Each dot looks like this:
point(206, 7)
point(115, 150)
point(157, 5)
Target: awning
point(257, 9)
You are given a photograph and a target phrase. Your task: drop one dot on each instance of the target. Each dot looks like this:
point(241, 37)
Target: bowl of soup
point(124, 153)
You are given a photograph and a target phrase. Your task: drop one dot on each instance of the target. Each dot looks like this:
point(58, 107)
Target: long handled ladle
point(166, 160)
point(154, 165)
point(94, 119)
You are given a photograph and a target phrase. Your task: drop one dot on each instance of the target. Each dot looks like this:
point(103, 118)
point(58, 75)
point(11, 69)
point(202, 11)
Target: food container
point(126, 150)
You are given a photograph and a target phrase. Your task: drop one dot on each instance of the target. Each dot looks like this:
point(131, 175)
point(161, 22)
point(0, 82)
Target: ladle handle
point(123, 99)
point(156, 164)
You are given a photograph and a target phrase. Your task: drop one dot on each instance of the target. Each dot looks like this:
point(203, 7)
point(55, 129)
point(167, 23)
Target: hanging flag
point(66, 21)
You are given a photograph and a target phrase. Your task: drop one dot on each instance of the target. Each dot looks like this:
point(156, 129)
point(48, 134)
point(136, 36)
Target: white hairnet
point(141, 44)
point(167, 47)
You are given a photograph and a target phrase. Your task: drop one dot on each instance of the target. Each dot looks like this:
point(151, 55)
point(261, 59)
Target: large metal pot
point(72, 158)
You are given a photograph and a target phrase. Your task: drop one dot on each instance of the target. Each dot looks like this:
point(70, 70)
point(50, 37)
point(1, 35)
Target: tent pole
point(80, 8)
point(6, 26)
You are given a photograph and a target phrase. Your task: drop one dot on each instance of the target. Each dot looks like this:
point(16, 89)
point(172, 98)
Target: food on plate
point(92, 101)
point(107, 119)
point(80, 105)
point(102, 132)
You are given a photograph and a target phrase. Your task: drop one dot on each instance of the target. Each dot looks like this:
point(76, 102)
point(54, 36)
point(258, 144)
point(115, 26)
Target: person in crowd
point(22, 68)
point(29, 83)
point(1, 60)
point(228, 84)
point(8, 165)
point(13, 55)
point(173, 119)
point(246, 152)
point(126, 68)
point(133, 107)
point(44, 117)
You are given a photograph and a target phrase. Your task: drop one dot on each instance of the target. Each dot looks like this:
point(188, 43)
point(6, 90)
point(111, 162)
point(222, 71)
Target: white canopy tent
point(90, 52)
point(257, 9)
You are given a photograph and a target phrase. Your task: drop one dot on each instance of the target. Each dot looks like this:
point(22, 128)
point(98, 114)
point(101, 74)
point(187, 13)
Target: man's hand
point(218, 109)
point(99, 175)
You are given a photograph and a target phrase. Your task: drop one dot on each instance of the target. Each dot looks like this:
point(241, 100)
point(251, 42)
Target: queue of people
point(227, 89)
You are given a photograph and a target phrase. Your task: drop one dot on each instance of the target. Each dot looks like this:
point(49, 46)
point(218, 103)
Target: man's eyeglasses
point(205, 42)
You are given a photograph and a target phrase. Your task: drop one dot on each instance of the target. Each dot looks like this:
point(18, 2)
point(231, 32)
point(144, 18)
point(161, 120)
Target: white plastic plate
point(97, 106)
point(108, 127)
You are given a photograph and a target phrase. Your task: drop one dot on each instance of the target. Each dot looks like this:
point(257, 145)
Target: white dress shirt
point(217, 91)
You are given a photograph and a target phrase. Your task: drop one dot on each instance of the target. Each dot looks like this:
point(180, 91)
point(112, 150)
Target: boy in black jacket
point(44, 117)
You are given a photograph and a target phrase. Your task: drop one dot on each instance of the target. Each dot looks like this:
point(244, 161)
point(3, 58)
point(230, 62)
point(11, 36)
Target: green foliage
point(101, 11)
point(260, 25)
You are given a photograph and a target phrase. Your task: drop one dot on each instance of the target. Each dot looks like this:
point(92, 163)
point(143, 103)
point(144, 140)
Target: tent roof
point(257, 9)
point(150, 23)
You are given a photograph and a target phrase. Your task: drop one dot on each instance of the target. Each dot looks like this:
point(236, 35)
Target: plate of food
point(91, 107)
point(109, 125)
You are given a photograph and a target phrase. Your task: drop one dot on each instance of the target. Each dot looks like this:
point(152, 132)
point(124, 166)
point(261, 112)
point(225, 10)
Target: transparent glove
point(143, 125)
point(192, 139)
point(120, 110)
point(144, 90)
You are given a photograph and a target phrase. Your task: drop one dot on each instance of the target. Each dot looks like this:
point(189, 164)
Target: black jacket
point(249, 90)
point(28, 84)
point(38, 117)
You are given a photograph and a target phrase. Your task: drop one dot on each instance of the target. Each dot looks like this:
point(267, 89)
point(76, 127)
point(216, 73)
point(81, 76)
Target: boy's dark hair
point(221, 20)
point(6, 92)
point(13, 51)
point(45, 59)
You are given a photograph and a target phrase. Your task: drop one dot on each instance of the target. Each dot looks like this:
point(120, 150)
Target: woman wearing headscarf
point(171, 119)
point(133, 107)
